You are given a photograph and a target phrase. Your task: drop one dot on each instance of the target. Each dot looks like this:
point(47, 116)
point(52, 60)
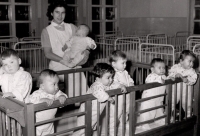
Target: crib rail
point(29, 110)
point(30, 39)
point(12, 118)
point(129, 45)
point(32, 55)
point(7, 42)
point(192, 40)
point(156, 38)
point(148, 51)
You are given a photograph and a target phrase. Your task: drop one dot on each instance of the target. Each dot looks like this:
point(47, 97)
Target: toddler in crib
point(48, 92)
point(14, 81)
point(76, 45)
point(104, 78)
point(157, 75)
point(118, 61)
point(184, 70)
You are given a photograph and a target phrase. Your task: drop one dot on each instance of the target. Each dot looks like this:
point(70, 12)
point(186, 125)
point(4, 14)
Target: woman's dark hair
point(54, 4)
point(101, 68)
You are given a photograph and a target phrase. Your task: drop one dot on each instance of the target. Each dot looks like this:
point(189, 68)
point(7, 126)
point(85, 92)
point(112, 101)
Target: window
point(196, 17)
point(15, 18)
point(103, 16)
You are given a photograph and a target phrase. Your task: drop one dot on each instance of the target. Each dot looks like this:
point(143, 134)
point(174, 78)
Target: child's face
point(106, 79)
point(159, 68)
point(11, 64)
point(50, 85)
point(120, 64)
point(188, 62)
point(81, 31)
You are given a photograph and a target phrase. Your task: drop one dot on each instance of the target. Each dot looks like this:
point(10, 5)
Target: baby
point(76, 45)
point(184, 69)
point(14, 81)
point(157, 75)
point(48, 92)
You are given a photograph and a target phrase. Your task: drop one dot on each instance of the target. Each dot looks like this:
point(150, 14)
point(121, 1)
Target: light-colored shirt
point(122, 77)
point(97, 89)
point(19, 83)
point(189, 73)
point(35, 98)
point(153, 77)
point(78, 44)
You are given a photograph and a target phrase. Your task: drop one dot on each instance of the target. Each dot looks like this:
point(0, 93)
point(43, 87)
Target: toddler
point(118, 61)
point(157, 75)
point(104, 78)
point(76, 45)
point(184, 69)
point(14, 81)
point(48, 92)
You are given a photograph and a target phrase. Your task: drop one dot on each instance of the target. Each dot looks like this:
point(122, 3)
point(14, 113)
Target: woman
point(53, 38)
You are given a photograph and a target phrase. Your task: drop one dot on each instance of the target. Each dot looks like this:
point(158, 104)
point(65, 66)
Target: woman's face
point(58, 15)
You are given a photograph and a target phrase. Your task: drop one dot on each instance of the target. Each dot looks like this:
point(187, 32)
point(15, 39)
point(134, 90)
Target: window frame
point(12, 19)
point(103, 19)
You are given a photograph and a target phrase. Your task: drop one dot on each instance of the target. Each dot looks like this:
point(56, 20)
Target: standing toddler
point(118, 61)
point(157, 75)
point(184, 70)
point(48, 92)
point(104, 76)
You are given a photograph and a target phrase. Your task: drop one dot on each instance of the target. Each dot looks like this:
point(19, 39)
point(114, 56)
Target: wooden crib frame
point(24, 114)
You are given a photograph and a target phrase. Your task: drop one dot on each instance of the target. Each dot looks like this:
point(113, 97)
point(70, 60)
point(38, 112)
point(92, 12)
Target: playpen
point(24, 114)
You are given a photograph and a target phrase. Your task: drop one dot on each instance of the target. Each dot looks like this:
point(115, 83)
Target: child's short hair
point(116, 55)
point(46, 73)
point(101, 68)
point(7, 53)
point(185, 53)
point(155, 60)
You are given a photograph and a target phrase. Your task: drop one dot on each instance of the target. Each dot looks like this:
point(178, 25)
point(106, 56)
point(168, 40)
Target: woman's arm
point(47, 47)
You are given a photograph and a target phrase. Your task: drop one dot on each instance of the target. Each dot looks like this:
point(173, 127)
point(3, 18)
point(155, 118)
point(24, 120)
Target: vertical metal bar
point(66, 80)
point(124, 115)
point(1, 124)
point(191, 101)
point(98, 118)
point(107, 119)
point(29, 129)
point(4, 124)
point(116, 115)
point(74, 86)
point(169, 103)
point(186, 101)
point(180, 102)
point(175, 101)
point(132, 115)
point(88, 115)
